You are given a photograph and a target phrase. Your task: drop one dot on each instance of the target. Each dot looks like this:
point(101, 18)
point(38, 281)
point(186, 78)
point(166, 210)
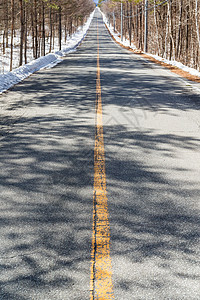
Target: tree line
point(43, 20)
point(173, 26)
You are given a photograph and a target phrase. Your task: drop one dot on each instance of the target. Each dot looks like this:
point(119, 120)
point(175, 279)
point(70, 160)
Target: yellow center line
point(101, 271)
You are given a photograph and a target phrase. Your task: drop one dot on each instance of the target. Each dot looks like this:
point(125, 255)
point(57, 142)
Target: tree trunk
point(167, 32)
point(51, 28)
point(130, 21)
point(156, 26)
point(32, 30)
point(197, 23)
point(187, 35)
point(60, 27)
point(6, 23)
point(43, 29)
point(36, 30)
point(179, 30)
point(40, 31)
point(22, 32)
point(4, 34)
point(141, 28)
point(12, 32)
point(25, 32)
point(171, 51)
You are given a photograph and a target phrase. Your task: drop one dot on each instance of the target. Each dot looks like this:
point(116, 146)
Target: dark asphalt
point(152, 141)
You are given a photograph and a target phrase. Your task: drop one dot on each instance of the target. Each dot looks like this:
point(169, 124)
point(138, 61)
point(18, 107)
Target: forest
point(39, 25)
point(170, 28)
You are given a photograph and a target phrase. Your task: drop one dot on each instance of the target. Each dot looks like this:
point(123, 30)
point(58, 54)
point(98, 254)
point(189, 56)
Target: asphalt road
point(151, 130)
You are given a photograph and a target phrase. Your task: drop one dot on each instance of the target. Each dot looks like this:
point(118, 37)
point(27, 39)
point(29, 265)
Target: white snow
point(9, 79)
point(177, 64)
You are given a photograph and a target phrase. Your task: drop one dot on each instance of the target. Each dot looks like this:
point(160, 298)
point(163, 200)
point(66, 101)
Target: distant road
point(100, 180)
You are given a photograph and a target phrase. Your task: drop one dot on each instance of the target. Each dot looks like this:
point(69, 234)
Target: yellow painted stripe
point(101, 287)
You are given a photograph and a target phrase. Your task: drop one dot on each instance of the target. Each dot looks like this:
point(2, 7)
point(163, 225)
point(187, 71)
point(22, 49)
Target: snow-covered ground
point(170, 62)
point(8, 79)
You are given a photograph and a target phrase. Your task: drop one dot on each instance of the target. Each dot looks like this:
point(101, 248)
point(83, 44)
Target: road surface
point(100, 180)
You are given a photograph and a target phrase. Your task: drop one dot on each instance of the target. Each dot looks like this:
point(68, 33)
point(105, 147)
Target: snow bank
point(177, 64)
point(11, 78)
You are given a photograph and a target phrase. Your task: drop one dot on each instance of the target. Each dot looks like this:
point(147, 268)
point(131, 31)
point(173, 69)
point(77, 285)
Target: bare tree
point(12, 32)
point(43, 20)
point(174, 30)
point(22, 31)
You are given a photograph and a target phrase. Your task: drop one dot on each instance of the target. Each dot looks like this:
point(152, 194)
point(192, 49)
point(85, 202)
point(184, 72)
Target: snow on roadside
point(50, 60)
point(177, 64)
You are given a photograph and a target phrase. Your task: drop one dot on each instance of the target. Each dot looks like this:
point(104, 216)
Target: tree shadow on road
point(47, 185)
point(155, 228)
